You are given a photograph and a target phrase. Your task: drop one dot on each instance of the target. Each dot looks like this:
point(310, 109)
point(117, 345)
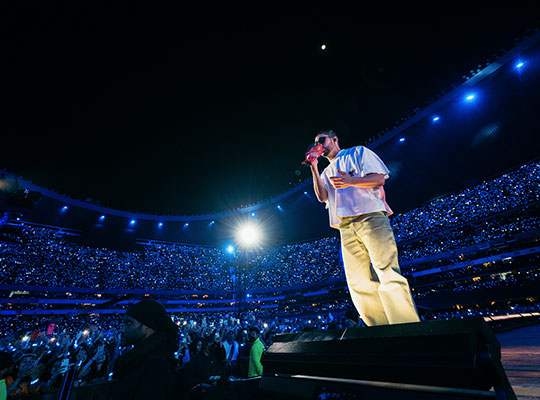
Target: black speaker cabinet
point(455, 356)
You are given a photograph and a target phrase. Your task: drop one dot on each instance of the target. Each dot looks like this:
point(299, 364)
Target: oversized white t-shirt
point(352, 201)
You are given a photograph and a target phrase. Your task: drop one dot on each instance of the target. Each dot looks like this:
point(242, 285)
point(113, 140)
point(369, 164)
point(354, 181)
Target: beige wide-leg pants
point(378, 290)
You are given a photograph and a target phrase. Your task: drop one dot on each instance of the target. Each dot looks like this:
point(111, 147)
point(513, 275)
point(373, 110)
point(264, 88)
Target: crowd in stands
point(497, 227)
point(495, 209)
point(40, 258)
point(512, 279)
point(514, 189)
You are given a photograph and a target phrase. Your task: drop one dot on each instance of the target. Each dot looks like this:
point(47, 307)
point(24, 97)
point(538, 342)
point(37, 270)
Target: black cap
point(152, 314)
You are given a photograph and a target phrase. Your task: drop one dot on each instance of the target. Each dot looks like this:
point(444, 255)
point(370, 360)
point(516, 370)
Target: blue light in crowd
point(186, 225)
point(519, 64)
point(469, 97)
point(279, 208)
point(132, 222)
point(64, 208)
point(160, 225)
point(211, 223)
point(305, 192)
point(402, 139)
point(102, 218)
point(252, 214)
point(436, 118)
point(230, 249)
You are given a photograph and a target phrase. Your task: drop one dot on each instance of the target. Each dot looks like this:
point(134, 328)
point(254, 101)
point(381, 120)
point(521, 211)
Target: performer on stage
point(352, 188)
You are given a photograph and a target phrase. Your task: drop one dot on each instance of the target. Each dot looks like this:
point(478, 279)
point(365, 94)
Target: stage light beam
point(248, 235)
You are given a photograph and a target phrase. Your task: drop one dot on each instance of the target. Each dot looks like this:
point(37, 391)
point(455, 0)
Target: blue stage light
point(519, 65)
point(132, 222)
point(436, 118)
point(279, 208)
point(305, 192)
point(64, 208)
point(211, 223)
point(402, 139)
point(230, 249)
point(186, 225)
point(102, 218)
point(160, 225)
point(253, 214)
point(469, 97)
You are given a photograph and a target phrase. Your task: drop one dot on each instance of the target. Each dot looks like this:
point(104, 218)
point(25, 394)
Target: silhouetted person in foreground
point(147, 370)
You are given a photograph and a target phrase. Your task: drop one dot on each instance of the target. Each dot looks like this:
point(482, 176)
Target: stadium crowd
point(40, 258)
point(39, 353)
point(514, 189)
point(495, 209)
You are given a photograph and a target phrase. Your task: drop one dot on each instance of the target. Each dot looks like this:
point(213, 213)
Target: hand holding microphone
point(312, 154)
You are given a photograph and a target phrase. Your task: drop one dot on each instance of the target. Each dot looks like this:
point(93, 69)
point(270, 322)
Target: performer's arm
point(318, 187)
point(369, 181)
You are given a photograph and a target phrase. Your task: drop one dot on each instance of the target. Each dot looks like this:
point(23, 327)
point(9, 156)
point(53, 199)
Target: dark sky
point(176, 111)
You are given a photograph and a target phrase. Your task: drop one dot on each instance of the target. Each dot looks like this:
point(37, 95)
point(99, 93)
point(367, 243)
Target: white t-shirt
point(352, 201)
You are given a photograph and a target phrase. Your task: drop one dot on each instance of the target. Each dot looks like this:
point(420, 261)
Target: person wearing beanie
point(147, 370)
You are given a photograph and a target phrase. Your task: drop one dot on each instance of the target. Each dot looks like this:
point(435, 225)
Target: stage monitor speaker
point(461, 353)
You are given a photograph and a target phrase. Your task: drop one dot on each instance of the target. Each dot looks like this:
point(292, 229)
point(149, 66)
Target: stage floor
point(520, 351)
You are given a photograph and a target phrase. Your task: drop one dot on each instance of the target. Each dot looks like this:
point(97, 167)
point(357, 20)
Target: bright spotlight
point(469, 97)
point(519, 64)
point(230, 249)
point(248, 235)
point(402, 139)
point(436, 118)
point(252, 214)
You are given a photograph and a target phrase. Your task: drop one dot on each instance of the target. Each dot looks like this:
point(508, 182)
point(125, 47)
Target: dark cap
point(152, 314)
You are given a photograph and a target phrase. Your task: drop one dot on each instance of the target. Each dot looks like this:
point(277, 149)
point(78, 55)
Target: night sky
point(176, 111)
